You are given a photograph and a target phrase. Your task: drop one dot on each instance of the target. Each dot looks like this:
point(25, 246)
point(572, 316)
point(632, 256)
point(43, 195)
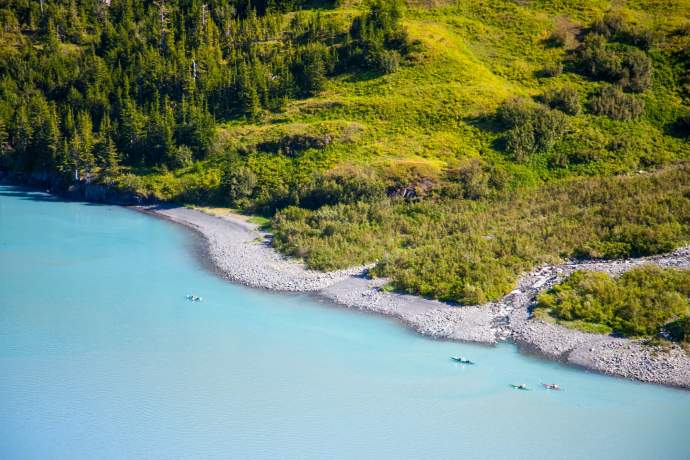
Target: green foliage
point(628, 67)
point(641, 302)
point(377, 39)
point(465, 250)
point(612, 24)
point(378, 124)
point(531, 128)
point(561, 36)
point(614, 27)
point(163, 73)
point(565, 99)
point(343, 186)
point(551, 70)
point(310, 69)
point(473, 180)
point(682, 125)
point(238, 183)
point(614, 103)
point(179, 157)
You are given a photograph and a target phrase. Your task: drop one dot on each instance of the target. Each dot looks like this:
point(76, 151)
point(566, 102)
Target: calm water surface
point(102, 357)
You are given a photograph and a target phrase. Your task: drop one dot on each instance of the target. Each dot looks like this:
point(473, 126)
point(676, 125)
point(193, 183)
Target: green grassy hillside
point(436, 110)
point(455, 143)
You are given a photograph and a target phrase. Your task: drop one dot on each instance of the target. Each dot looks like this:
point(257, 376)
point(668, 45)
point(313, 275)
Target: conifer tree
point(105, 151)
point(85, 142)
point(246, 92)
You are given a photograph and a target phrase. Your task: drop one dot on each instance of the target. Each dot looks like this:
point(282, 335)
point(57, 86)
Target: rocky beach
point(242, 253)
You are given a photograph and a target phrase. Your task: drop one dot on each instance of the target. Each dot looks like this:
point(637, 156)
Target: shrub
point(595, 60)
point(179, 157)
point(410, 179)
point(202, 187)
point(559, 37)
point(440, 245)
point(612, 24)
point(551, 70)
point(549, 127)
point(644, 39)
point(471, 179)
point(630, 68)
point(532, 128)
point(294, 144)
point(567, 100)
point(613, 27)
point(348, 185)
point(238, 183)
point(636, 71)
point(388, 61)
point(514, 112)
point(639, 303)
point(615, 104)
point(520, 141)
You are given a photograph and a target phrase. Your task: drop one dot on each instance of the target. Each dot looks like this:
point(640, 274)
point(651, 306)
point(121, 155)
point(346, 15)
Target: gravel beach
point(242, 253)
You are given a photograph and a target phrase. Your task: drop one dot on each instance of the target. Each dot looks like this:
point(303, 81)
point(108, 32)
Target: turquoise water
point(102, 357)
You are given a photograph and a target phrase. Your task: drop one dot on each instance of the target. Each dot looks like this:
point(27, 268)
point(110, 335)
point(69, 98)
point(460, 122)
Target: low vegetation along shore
point(242, 253)
point(453, 150)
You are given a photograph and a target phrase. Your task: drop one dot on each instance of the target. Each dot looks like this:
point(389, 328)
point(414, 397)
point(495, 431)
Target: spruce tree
point(85, 142)
point(247, 94)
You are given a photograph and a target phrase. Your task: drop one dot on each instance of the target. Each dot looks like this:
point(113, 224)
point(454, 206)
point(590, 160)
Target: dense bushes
point(294, 144)
point(470, 250)
point(628, 67)
point(377, 40)
point(639, 303)
point(473, 179)
point(566, 99)
point(530, 128)
point(610, 25)
point(551, 70)
point(348, 185)
point(238, 183)
point(616, 104)
point(614, 27)
point(614, 51)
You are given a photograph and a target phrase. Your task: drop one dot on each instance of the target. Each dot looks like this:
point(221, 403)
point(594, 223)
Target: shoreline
point(241, 253)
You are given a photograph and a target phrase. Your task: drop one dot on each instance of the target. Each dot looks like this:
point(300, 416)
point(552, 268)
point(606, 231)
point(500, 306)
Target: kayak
point(521, 386)
point(552, 386)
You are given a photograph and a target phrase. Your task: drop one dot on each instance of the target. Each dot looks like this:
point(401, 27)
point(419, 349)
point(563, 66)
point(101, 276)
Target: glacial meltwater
point(102, 357)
